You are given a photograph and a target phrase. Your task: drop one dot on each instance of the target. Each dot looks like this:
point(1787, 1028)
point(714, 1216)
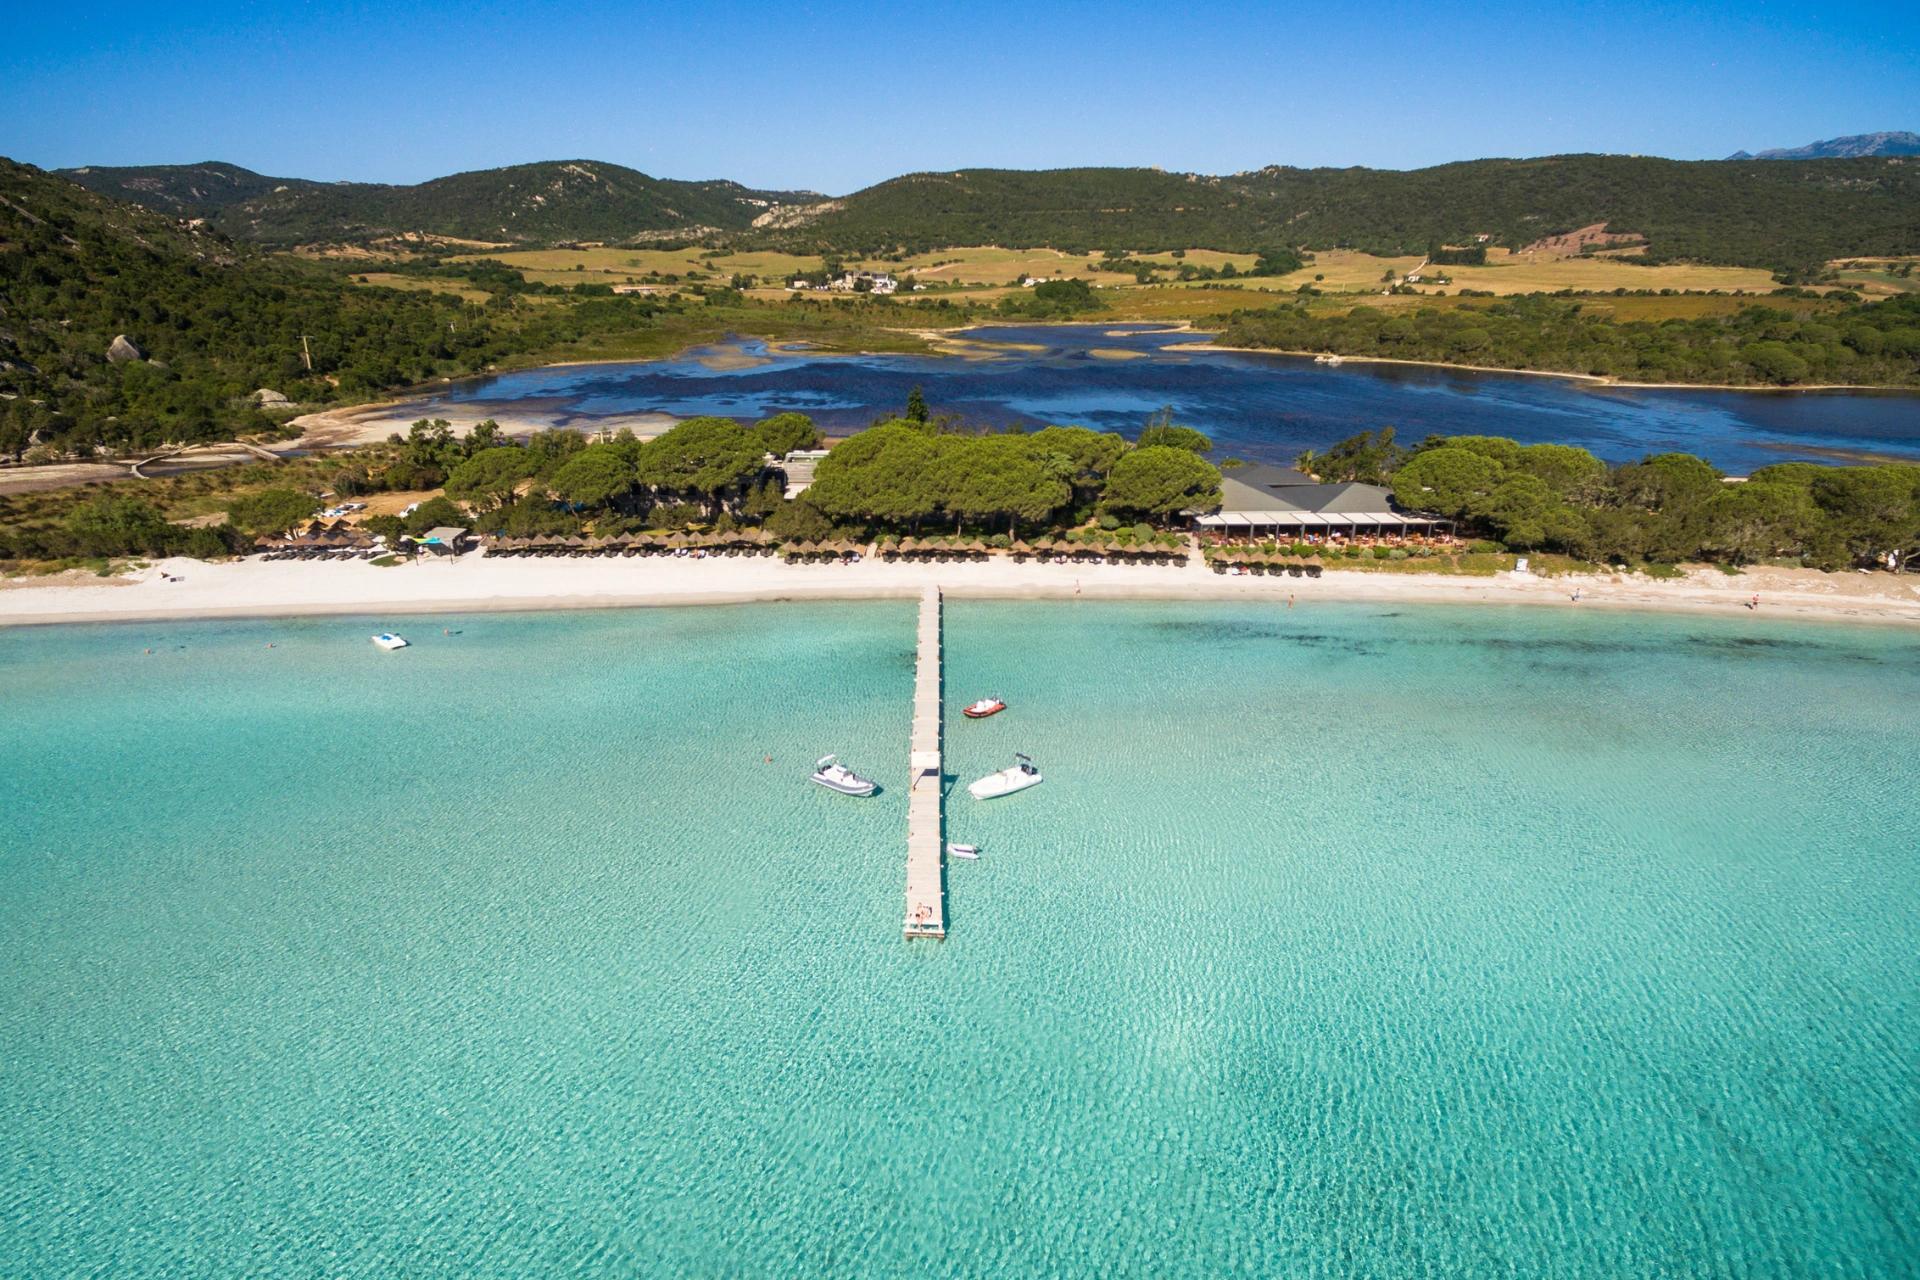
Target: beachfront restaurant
point(1263, 503)
point(446, 540)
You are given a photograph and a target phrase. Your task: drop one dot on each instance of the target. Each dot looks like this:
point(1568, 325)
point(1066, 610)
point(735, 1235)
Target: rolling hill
point(1758, 213)
point(1784, 215)
point(529, 203)
point(206, 322)
point(181, 190)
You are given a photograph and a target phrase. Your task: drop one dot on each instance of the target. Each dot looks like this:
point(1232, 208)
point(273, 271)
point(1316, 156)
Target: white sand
point(475, 582)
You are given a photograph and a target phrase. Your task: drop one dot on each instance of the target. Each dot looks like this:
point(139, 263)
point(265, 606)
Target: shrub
point(270, 510)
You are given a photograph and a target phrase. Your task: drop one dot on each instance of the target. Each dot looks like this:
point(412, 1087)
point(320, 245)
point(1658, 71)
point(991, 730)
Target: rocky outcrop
point(123, 350)
point(268, 398)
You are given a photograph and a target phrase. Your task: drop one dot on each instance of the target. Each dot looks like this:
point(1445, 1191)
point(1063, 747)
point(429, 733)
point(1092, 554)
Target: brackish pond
point(1263, 407)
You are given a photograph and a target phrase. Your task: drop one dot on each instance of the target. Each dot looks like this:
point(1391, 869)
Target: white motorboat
point(1016, 777)
point(963, 851)
point(389, 641)
point(834, 776)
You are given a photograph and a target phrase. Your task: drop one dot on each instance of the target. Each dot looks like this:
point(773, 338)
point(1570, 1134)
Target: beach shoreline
point(187, 590)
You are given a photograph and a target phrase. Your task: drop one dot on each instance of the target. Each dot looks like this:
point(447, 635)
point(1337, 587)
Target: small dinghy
point(1017, 777)
point(837, 777)
point(389, 641)
point(984, 708)
point(963, 851)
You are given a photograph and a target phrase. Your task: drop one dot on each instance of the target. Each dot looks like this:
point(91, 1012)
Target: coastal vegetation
point(1784, 342)
point(1664, 509)
point(919, 478)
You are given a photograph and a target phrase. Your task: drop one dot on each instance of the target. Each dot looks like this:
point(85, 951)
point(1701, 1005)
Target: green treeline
point(1784, 216)
point(1665, 508)
point(1876, 343)
point(904, 475)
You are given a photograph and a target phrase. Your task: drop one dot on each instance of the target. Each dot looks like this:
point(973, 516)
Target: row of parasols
point(1058, 550)
point(319, 541)
point(750, 542)
point(1271, 563)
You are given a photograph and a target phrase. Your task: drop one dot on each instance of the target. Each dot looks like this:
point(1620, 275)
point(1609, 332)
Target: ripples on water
point(1254, 406)
point(1338, 942)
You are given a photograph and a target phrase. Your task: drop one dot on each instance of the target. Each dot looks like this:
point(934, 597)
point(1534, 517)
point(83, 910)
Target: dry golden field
point(416, 285)
point(1341, 270)
point(979, 276)
point(984, 266)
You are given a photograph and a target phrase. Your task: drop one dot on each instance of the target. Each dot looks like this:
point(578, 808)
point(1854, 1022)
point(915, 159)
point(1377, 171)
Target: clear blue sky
point(835, 95)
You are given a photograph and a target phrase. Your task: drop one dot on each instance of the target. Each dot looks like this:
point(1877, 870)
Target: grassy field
point(414, 284)
point(1876, 277)
point(982, 266)
point(1341, 270)
point(623, 266)
point(971, 281)
point(984, 272)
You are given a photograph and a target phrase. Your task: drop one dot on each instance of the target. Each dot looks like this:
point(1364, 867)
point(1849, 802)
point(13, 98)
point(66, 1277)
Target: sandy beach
point(188, 589)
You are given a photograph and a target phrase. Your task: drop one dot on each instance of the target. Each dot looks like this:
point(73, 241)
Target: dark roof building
point(1258, 497)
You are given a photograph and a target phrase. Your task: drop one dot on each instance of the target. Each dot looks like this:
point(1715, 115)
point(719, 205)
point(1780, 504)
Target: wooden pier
point(926, 888)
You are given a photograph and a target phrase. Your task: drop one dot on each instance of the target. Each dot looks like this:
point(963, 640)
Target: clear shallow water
point(1260, 407)
point(1339, 941)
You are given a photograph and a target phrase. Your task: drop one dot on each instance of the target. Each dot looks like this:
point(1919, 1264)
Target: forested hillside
point(537, 203)
point(1783, 216)
point(1789, 216)
point(208, 322)
point(182, 190)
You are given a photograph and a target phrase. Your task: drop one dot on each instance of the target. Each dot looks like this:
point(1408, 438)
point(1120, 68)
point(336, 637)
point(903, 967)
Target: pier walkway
point(926, 890)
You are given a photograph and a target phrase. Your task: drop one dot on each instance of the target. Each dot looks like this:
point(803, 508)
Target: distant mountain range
point(1784, 215)
point(1848, 148)
point(545, 202)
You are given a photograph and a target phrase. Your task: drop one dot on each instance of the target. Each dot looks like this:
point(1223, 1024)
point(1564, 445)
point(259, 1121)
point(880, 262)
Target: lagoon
point(1255, 406)
point(1341, 940)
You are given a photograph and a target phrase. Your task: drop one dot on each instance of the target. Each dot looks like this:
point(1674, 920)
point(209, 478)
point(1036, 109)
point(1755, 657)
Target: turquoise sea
point(1340, 941)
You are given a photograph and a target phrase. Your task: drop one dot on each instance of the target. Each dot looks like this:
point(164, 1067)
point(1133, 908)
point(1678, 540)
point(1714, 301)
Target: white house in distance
point(879, 282)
